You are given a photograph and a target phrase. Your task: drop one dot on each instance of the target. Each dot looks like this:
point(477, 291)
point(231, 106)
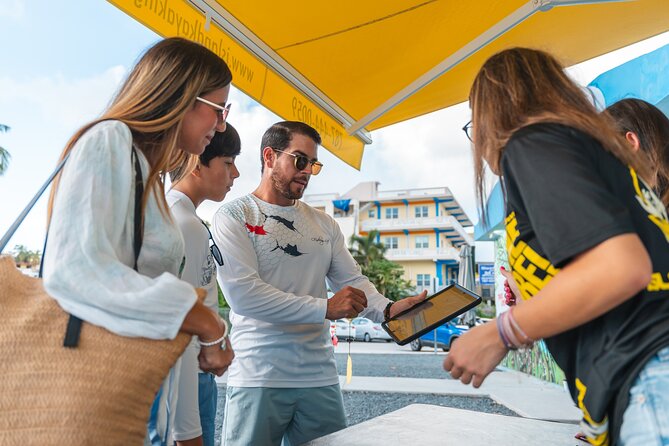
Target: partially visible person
point(588, 243)
point(164, 114)
point(646, 129)
point(194, 423)
point(279, 252)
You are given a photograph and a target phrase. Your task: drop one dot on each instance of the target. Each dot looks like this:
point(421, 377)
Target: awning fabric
point(645, 77)
point(349, 67)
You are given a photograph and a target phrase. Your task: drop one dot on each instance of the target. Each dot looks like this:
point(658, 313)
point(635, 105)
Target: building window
point(391, 242)
point(371, 213)
point(423, 280)
point(392, 213)
point(422, 241)
point(421, 211)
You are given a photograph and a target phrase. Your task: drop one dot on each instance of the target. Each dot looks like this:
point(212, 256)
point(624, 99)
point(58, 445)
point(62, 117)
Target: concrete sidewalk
point(529, 397)
point(420, 424)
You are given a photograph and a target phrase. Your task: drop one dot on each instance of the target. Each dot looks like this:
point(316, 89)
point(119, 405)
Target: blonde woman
point(168, 109)
point(588, 246)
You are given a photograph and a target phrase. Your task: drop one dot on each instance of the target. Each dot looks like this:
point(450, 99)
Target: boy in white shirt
point(211, 180)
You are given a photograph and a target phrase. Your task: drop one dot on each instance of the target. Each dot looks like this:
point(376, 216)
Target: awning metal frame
point(501, 27)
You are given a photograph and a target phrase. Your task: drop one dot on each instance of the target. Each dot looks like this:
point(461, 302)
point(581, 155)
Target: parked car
point(367, 331)
point(446, 334)
point(344, 330)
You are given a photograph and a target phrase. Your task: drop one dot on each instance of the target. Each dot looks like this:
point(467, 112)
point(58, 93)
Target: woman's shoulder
point(545, 130)
point(110, 131)
point(105, 143)
point(551, 136)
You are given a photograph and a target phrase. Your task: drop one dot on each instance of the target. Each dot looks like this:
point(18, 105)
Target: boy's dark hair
point(224, 144)
point(280, 134)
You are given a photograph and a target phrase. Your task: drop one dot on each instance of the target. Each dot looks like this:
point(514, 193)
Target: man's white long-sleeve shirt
point(277, 260)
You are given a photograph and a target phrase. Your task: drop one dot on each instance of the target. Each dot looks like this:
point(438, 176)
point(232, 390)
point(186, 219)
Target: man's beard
point(282, 186)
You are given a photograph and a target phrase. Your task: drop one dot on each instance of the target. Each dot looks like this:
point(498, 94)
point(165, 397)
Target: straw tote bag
point(97, 391)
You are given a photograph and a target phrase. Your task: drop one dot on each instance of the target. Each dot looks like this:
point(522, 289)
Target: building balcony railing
point(410, 193)
point(397, 224)
point(443, 253)
point(413, 224)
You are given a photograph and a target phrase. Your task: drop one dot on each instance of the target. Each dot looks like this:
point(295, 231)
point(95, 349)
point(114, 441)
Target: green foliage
point(24, 256)
point(4, 154)
point(486, 310)
point(222, 303)
point(365, 249)
point(384, 274)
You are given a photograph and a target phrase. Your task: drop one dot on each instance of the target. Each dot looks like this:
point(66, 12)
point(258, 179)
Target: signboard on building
point(486, 273)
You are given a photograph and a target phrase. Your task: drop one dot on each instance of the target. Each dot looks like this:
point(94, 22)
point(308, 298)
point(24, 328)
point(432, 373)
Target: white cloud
point(12, 9)
point(66, 102)
point(43, 113)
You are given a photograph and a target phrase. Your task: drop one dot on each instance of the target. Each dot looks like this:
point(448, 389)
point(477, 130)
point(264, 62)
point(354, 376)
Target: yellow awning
point(348, 67)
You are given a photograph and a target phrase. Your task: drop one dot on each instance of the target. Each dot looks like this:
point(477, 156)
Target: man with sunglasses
point(279, 252)
point(195, 412)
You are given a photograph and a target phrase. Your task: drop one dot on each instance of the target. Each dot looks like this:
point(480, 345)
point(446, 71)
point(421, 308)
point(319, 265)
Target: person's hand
point(406, 303)
point(346, 303)
point(475, 354)
point(512, 294)
point(216, 360)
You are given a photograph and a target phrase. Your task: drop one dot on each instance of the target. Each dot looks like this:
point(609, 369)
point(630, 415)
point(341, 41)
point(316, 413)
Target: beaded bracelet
point(219, 340)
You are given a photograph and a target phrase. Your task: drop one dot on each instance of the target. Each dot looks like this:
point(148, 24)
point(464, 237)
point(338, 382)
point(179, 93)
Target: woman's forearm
point(592, 284)
point(202, 322)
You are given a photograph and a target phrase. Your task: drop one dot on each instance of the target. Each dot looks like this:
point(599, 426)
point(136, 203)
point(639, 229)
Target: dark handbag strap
point(73, 330)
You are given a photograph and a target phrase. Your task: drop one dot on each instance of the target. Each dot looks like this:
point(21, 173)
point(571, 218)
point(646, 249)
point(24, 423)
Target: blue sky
point(62, 61)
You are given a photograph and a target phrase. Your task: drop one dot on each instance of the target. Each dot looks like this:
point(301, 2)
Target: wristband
point(502, 336)
point(526, 339)
point(386, 311)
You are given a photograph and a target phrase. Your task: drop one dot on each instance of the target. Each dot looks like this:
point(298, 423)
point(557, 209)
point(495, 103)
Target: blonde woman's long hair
point(152, 102)
point(521, 86)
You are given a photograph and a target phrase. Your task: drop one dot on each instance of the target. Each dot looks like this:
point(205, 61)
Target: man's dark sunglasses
point(302, 161)
point(213, 248)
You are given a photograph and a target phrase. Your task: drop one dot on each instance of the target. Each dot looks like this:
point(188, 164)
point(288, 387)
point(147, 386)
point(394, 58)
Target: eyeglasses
point(222, 111)
point(215, 252)
point(302, 161)
point(468, 130)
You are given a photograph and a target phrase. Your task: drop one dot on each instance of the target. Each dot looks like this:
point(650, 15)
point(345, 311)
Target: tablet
point(434, 311)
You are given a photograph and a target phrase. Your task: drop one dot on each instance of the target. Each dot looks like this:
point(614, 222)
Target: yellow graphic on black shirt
point(657, 213)
point(657, 283)
point(530, 270)
point(596, 431)
point(650, 203)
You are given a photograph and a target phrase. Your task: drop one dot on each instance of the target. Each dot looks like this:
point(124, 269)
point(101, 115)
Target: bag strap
point(73, 330)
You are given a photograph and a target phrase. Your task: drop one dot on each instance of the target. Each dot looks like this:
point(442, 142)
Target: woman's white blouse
point(88, 264)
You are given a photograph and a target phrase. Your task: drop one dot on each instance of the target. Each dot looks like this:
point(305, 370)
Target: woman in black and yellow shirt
point(588, 243)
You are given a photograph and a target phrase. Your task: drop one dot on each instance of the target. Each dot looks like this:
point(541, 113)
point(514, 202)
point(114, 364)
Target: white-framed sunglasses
point(222, 111)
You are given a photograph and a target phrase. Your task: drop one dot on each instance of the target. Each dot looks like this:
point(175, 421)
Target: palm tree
point(365, 249)
point(4, 154)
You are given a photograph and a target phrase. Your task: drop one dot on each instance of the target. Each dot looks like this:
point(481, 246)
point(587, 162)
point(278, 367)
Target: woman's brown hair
point(152, 102)
point(521, 86)
point(651, 126)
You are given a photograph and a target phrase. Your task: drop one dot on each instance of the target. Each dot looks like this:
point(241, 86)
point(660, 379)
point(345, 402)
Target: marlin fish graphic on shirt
point(289, 249)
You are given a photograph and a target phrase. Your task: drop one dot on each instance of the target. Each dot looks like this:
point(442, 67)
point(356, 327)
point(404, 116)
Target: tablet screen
point(434, 311)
